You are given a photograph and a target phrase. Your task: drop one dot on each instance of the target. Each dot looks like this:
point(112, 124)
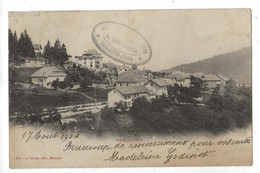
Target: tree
point(62, 84)
point(25, 46)
point(157, 105)
point(120, 106)
point(74, 66)
point(85, 83)
point(52, 112)
point(231, 86)
point(102, 75)
point(12, 40)
point(68, 82)
point(64, 55)
point(197, 83)
point(173, 92)
point(47, 51)
point(78, 68)
point(216, 100)
point(141, 108)
point(55, 84)
point(56, 54)
point(13, 77)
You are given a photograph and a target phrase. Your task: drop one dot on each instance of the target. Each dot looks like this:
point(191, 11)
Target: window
point(129, 103)
point(127, 84)
point(129, 97)
point(125, 97)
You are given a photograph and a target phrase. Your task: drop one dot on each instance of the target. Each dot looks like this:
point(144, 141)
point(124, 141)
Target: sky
point(176, 36)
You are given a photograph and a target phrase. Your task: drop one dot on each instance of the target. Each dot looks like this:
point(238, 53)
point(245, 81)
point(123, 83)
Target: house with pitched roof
point(157, 86)
point(211, 80)
point(34, 62)
point(177, 77)
point(131, 78)
point(127, 95)
point(46, 75)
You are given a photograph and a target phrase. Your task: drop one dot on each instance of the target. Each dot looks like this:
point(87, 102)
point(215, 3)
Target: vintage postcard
point(130, 88)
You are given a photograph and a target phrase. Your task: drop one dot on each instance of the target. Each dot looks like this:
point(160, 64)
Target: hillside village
point(45, 88)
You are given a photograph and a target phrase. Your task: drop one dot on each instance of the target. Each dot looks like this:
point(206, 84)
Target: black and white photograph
point(130, 88)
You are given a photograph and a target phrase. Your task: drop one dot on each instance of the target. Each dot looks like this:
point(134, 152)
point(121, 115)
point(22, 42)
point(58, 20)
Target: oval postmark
point(121, 43)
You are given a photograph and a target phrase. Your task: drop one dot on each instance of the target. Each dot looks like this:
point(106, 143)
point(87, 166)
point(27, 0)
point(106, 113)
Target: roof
point(179, 76)
point(92, 52)
point(110, 65)
point(132, 90)
point(49, 71)
point(124, 67)
point(160, 82)
point(128, 78)
point(139, 74)
point(197, 74)
point(210, 77)
point(222, 77)
point(36, 59)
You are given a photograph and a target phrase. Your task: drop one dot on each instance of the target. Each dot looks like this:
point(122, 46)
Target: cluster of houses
point(132, 84)
point(128, 85)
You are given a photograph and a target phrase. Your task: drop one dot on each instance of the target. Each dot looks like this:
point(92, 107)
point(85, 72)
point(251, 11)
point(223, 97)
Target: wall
point(113, 97)
point(39, 81)
point(156, 89)
point(126, 84)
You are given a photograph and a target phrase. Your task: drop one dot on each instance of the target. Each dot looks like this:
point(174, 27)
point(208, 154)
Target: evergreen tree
point(64, 55)
point(10, 44)
point(74, 66)
point(15, 45)
point(47, 51)
point(56, 54)
point(12, 40)
point(25, 46)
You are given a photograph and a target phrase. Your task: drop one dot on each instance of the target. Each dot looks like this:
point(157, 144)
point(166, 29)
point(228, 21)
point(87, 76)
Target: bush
point(85, 83)
point(55, 84)
point(141, 108)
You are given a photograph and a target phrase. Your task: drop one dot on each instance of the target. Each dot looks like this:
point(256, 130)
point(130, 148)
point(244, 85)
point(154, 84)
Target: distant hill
point(235, 65)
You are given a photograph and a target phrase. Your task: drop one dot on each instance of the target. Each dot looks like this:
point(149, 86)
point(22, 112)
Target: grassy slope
point(44, 98)
point(25, 73)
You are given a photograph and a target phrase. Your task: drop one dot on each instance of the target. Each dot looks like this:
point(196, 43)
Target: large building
point(127, 95)
point(90, 59)
point(46, 75)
